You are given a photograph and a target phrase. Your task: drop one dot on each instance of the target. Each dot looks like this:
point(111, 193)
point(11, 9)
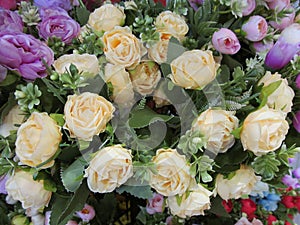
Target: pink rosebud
point(169, 220)
point(262, 46)
point(8, 4)
point(225, 41)
point(155, 204)
point(284, 22)
point(243, 221)
point(279, 5)
point(296, 173)
point(256, 28)
point(296, 121)
point(250, 6)
point(298, 81)
point(87, 213)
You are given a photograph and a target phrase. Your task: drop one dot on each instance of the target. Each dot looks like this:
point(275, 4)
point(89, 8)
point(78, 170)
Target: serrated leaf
point(143, 192)
point(72, 176)
point(144, 117)
point(266, 165)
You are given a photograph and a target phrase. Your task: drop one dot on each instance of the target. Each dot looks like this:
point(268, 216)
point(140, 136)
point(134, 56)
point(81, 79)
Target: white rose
point(85, 63)
point(30, 193)
point(216, 126)
point(173, 173)
point(38, 140)
point(240, 184)
point(86, 115)
point(121, 47)
point(122, 87)
point(194, 69)
point(158, 51)
point(15, 116)
point(192, 204)
point(282, 97)
point(264, 130)
point(172, 24)
point(106, 18)
point(110, 168)
point(145, 76)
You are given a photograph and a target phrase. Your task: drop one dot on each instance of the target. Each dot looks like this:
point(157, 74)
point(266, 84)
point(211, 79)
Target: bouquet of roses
point(144, 112)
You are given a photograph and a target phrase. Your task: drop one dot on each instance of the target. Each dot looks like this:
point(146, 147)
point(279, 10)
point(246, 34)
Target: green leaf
point(237, 132)
point(82, 15)
point(109, 201)
point(144, 117)
point(59, 118)
point(10, 79)
point(50, 185)
point(267, 91)
point(72, 176)
point(143, 192)
point(5, 108)
point(217, 208)
point(266, 165)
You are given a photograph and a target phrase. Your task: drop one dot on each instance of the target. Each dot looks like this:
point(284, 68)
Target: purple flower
point(284, 22)
point(298, 81)
point(296, 121)
point(64, 4)
point(290, 181)
point(10, 20)
point(47, 217)
point(195, 4)
point(250, 6)
point(3, 180)
point(225, 41)
point(279, 5)
point(47, 12)
point(296, 173)
point(256, 28)
point(155, 204)
point(87, 213)
point(59, 25)
point(3, 73)
point(25, 54)
point(262, 46)
point(286, 47)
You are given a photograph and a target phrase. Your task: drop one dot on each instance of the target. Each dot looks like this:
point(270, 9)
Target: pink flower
point(284, 22)
point(155, 204)
point(225, 41)
point(262, 46)
point(251, 4)
point(8, 4)
point(243, 221)
point(279, 5)
point(256, 28)
point(87, 213)
point(169, 220)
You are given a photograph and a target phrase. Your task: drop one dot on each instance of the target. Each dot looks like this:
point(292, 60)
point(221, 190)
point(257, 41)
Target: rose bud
point(225, 41)
point(255, 28)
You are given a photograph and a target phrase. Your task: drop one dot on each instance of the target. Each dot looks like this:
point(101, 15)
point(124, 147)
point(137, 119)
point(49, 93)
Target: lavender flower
point(155, 204)
point(24, 54)
point(87, 213)
point(290, 181)
point(59, 25)
point(255, 28)
point(297, 81)
point(64, 4)
point(262, 47)
point(3, 180)
point(296, 173)
point(10, 20)
point(296, 121)
point(286, 47)
point(195, 4)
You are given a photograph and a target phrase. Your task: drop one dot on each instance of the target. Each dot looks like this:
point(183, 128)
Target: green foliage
point(137, 190)
point(144, 26)
point(200, 168)
point(82, 15)
point(191, 142)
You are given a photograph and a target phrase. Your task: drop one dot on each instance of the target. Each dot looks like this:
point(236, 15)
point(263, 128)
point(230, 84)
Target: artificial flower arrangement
point(143, 112)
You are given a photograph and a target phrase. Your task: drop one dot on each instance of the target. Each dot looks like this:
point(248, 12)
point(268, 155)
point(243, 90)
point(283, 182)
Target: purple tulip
point(279, 5)
point(155, 204)
point(256, 28)
point(24, 54)
point(60, 26)
point(64, 4)
point(250, 6)
point(195, 4)
point(3, 180)
point(262, 46)
point(296, 173)
point(10, 20)
point(296, 121)
point(87, 213)
point(286, 47)
point(225, 41)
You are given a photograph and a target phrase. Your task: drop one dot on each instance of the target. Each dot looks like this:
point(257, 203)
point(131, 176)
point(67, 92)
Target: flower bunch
point(146, 112)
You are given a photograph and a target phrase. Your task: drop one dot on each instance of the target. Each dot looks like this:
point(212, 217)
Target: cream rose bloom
point(106, 18)
point(38, 140)
point(21, 187)
point(172, 24)
point(86, 115)
point(85, 63)
point(282, 97)
point(264, 130)
point(158, 52)
point(144, 77)
point(192, 204)
point(15, 116)
point(194, 69)
point(216, 125)
point(121, 47)
point(173, 176)
point(240, 184)
point(110, 168)
point(122, 87)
